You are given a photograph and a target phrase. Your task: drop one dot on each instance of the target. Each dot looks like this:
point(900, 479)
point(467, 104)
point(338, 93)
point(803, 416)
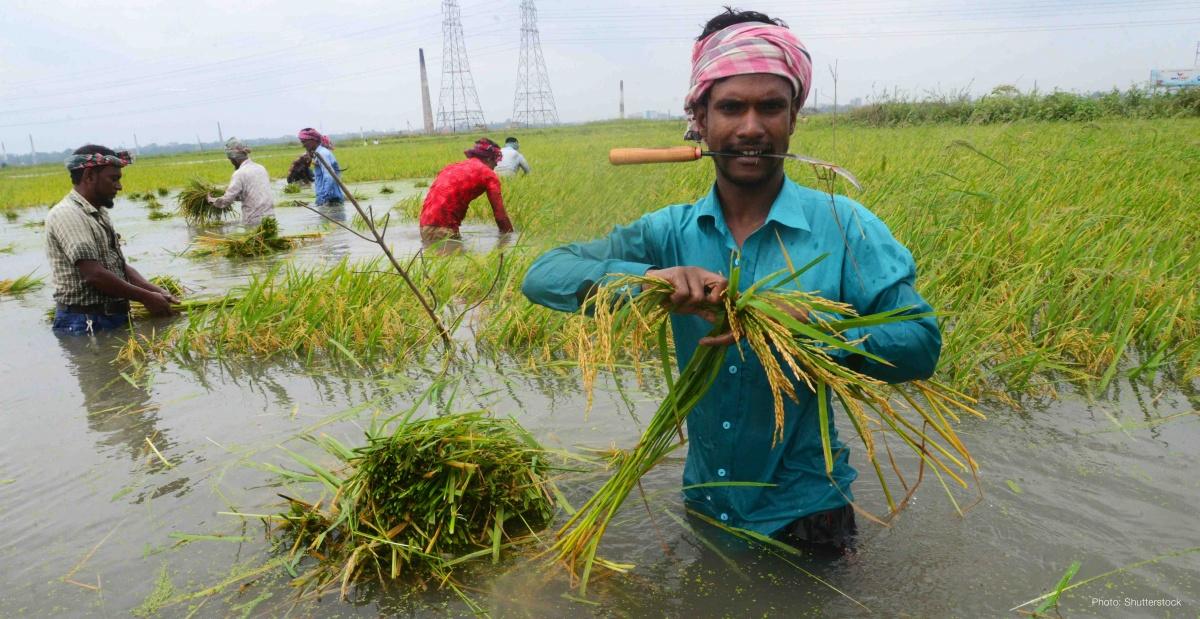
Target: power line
point(533, 103)
point(458, 104)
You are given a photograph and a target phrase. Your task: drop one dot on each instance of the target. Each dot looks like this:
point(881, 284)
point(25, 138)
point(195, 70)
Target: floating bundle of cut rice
point(419, 498)
point(20, 284)
point(794, 354)
point(291, 188)
point(194, 206)
point(263, 240)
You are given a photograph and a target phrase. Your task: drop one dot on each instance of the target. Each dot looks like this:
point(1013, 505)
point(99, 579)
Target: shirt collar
point(83, 203)
point(785, 210)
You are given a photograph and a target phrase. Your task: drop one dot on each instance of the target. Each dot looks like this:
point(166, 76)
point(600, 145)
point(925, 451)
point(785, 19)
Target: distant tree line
point(1006, 104)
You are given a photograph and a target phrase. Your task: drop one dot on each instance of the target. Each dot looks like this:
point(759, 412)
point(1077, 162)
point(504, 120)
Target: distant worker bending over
point(93, 283)
point(456, 186)
point(511, 159)
point(251, 184)
point(325, 185)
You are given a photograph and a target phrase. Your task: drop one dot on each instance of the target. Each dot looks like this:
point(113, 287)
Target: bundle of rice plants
point(137, 310)
point(169, 283)
point(21, 284)
point(163, 192)
point(263, 240)
point(386, 189)
point(194, 206)
point(794, 354)
point(156, 215)
point(291, 188)
point(420, 497)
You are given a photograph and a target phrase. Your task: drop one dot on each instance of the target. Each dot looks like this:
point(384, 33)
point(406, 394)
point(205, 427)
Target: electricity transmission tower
point(458, 104)
point(534, 101)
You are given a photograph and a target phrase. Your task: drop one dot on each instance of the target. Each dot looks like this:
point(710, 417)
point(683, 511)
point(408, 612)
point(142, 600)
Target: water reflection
point(116, 406)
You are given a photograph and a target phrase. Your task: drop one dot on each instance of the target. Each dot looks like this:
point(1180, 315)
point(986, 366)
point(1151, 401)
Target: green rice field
point(156, 465)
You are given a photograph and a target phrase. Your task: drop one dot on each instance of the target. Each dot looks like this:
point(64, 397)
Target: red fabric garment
point(454, 189)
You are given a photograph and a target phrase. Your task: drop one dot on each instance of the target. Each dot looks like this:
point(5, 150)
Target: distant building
point(1175, 78)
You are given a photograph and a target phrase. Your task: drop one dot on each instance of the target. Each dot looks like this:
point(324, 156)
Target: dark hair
point(509, 139)
point(733, 16)
point(487, 141)
point(88, 149)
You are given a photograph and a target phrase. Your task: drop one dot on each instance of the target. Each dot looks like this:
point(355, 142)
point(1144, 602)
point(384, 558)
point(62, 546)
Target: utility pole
point(426, 107)
point(32, 151)
point(622, 99)
point(458, 105)
point(5, 151)
point(137, 150)
point(362, 135)
point(199, 144)
point(533, 103)
point(220, 136)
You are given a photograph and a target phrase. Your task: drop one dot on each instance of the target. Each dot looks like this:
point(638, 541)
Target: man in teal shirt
point(752, 214)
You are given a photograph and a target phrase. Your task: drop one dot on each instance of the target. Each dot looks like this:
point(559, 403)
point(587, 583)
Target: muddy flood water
point(93, 522)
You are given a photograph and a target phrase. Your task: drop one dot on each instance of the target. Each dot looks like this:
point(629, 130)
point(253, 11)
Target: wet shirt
point(325, 185)
point(76, 230)
point(251, 184)
point(453, 190)
point(730, 430)
point(512, 160)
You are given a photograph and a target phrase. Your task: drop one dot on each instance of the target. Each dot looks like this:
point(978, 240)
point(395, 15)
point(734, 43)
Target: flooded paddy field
point(117, 491)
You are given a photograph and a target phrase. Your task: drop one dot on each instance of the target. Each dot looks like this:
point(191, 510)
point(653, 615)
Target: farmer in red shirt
point(455, 186)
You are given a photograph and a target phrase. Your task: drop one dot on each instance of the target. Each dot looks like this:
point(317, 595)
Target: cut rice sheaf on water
point(194, 205)
point(421, 497)
point(795, 355)
point(262, 240)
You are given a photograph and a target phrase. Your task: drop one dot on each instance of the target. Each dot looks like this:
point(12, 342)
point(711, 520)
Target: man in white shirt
point(251, 184)
point(512, 159)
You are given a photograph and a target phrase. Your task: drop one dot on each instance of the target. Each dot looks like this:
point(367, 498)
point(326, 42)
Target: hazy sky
point(77, 72)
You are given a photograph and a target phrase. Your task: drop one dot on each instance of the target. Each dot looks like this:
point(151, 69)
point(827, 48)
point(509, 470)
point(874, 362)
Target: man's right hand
point(157, 304)
point(696, 289)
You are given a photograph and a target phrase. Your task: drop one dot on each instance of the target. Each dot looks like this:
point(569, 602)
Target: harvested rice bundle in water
point(194, 206)
point(169, 283)
point(419, 498)
point(794, 354)
point(291, 188)
point(261, 241)
point(137, 310)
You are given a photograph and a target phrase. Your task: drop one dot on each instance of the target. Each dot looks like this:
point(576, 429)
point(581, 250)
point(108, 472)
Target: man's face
point(310, 145)
point(104, 183)
point(748, 113)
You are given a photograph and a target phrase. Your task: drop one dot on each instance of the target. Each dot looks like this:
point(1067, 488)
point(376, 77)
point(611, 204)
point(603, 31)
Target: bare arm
point(497, 200)
point(100, 278)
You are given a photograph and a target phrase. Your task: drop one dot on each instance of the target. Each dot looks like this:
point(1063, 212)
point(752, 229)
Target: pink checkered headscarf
point(751, 47)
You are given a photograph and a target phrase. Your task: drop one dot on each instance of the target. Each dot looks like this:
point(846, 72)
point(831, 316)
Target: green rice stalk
point(419, 498)
point(291, 188)
point(263, 240)
point(194, 206)
point(629, 311)
point(19, 285)
point(169, 283)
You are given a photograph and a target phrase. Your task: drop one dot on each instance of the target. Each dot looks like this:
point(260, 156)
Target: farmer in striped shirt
point(93, 284)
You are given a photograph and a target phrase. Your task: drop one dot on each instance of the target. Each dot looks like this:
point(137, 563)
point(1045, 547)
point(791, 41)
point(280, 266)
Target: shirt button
point(733, 369)
point(720, 472)
point(726, 425)
point(724, 517)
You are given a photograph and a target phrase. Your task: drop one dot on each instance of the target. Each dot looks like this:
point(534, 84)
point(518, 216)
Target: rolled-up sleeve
point(559, 278)
point(881, 277)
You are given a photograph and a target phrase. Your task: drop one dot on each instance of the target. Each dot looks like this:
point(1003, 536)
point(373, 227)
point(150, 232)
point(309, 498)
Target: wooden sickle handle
point(625, 156)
